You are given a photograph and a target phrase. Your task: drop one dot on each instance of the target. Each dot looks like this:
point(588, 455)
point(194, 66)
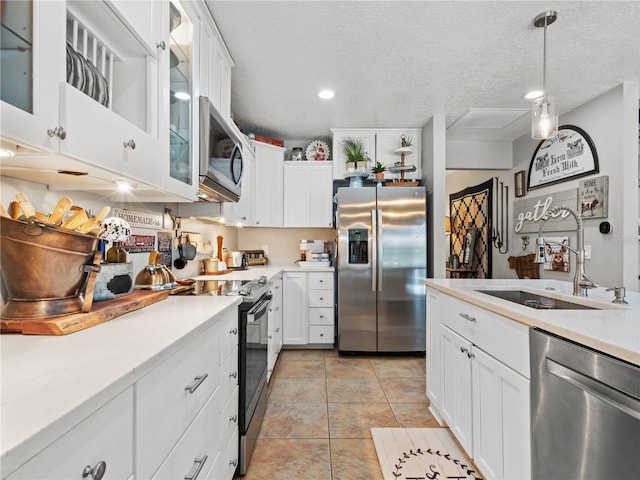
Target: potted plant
point(378, 170)
point(353, 149)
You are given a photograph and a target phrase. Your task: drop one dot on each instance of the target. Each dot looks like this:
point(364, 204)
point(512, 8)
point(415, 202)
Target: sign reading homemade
point(138, 219)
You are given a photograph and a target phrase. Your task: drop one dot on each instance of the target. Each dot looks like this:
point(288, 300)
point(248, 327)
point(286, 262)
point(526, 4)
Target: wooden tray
point(101, 312)
point(401, 184)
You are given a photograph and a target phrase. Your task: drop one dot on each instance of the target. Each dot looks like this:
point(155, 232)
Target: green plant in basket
point(354, 150)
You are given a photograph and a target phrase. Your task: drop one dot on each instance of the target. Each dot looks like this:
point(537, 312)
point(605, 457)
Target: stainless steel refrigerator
point(382, 259)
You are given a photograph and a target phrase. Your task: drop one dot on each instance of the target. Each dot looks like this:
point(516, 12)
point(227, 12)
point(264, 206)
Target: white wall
point(282, 244)
point(614, 256)
point(481, 154)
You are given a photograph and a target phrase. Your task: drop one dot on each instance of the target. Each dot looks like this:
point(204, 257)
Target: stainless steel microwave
point(220, 157)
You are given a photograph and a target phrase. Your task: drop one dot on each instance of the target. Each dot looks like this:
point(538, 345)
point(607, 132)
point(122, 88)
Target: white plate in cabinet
point(105, 436)
point(196, 450)
point(321, 281)
point(228, 334)
point(171, 395)
point(321, 334)
point(121, 146)
point(228, 377)
point(226, 463)
point(321, 316)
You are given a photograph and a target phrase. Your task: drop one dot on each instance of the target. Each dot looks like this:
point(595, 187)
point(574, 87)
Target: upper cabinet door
point(368, 138)
point(32, 59)
point(145, 20)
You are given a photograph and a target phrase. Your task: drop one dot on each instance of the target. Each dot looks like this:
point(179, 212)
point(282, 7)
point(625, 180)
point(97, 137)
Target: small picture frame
point(518, 181)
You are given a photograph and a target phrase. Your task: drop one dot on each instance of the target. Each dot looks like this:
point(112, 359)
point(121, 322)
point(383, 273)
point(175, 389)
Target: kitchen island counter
point(610, 328)
point(50, 383)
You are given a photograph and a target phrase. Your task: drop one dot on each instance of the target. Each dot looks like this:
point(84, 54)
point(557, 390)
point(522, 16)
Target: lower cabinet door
point(198, 448)
point(227, 462)
point(456, 386)
point(102, 441)
point(321, 334)
point(501, 427)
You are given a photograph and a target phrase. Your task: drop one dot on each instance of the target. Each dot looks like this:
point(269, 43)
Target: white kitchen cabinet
point(321, 308)
point(308, 194)
point(274, 323)
point(456, 392)
point(478, 382)
point(104, 439)
point(381, 145)
point(242, 212)
point(295, 321)
point(144, 19)
point(368, 137)
point(269, 186)
point(501, 443)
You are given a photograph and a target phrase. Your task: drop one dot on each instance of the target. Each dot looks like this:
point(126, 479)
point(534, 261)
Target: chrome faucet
point(581, 281)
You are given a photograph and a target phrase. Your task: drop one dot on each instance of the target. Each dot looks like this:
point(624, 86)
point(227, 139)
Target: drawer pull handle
point(277, 329)
point(321, 316)
point(322, 334)
point(468, 317)
point(233, 375)
point(233, 331)
point(199, 463)
point(96, 472)
point(197, 383)
point(233, 419)
point(234, 462)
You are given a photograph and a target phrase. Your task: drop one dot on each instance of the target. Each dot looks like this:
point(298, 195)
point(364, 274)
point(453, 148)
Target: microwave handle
point(236, 154)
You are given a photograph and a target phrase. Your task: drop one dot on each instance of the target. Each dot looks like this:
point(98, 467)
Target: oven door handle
point(259, 309)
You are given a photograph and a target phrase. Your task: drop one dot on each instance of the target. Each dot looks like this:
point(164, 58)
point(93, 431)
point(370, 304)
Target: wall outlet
point(265, 248)
point(587, 252)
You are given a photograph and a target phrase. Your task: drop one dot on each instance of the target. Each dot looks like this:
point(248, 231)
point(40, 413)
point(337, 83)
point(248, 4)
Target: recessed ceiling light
point(533, 94)
point(326, 94)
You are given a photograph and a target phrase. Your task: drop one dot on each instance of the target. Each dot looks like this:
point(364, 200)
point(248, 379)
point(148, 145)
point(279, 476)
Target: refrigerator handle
point(374, 250)
point(379, 249)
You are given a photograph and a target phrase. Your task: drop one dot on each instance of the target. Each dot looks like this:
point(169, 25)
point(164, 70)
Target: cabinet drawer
point(105, 436)
point(171, 395)
point(226, 463)
point(320, 298)
point(321, 280)
point(321, 316)
point(501, 337)
point(228, 333)
point(197, 449)
point(321, 334)
point(228, 377)
point(228, 423)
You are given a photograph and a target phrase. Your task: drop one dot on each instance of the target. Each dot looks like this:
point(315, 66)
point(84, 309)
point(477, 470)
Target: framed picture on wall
point(518, 181)
point(567, 155)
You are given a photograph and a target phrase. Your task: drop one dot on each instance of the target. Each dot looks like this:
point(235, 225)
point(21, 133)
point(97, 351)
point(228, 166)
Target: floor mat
point(420, 454)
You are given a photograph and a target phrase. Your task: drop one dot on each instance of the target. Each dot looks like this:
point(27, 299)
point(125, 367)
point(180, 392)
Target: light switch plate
point(587, 252)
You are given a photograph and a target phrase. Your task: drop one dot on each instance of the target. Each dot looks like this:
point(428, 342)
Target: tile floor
point(321, 408)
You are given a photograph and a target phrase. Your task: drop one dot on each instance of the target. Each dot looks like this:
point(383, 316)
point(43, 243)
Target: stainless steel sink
point(535, 301)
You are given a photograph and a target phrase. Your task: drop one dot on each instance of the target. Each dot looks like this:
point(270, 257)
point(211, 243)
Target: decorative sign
point(528, 212)
point(139, 243)
point(138, 219)
point(556, 254)
point(165, 245)
point(593, 197)
point(568, 154)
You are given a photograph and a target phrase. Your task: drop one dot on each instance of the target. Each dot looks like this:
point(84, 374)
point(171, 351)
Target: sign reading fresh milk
point(528, 212)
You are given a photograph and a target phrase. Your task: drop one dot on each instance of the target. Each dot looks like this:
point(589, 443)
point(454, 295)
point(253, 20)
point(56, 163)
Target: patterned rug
point(420, 454)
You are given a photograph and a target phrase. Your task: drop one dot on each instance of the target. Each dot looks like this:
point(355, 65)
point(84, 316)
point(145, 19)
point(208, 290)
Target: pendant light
point(544, 112)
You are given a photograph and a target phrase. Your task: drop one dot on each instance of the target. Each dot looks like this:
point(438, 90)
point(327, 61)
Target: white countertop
point(256, 271)
point(50, 383)
point(615, 329)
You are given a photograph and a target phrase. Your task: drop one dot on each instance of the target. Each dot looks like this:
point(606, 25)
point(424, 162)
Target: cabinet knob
point(322, 334)
point(321, 316)
point(233, 331)
point(270, 337)
point(233, 419)
point(97, 472)
point(233, 375)
point(321, 281)
point(234, 462)
point(129, 144)
point(161, 45)
point(277, 329)
point(57, 131)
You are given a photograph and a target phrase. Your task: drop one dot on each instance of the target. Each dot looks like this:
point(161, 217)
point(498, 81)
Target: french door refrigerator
point(382, 259)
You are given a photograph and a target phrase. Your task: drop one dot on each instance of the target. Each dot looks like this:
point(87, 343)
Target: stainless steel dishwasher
point(585, 412)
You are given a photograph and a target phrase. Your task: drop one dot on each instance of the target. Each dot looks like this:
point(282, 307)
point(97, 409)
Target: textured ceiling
point(396, 63)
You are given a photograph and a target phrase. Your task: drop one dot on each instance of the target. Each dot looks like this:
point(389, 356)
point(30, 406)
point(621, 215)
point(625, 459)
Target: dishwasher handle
point(610, 395)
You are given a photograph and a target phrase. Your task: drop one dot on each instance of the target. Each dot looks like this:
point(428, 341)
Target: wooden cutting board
point(101, 312)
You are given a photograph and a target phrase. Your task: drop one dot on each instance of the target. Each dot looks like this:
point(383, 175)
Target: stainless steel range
point(252, 362)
